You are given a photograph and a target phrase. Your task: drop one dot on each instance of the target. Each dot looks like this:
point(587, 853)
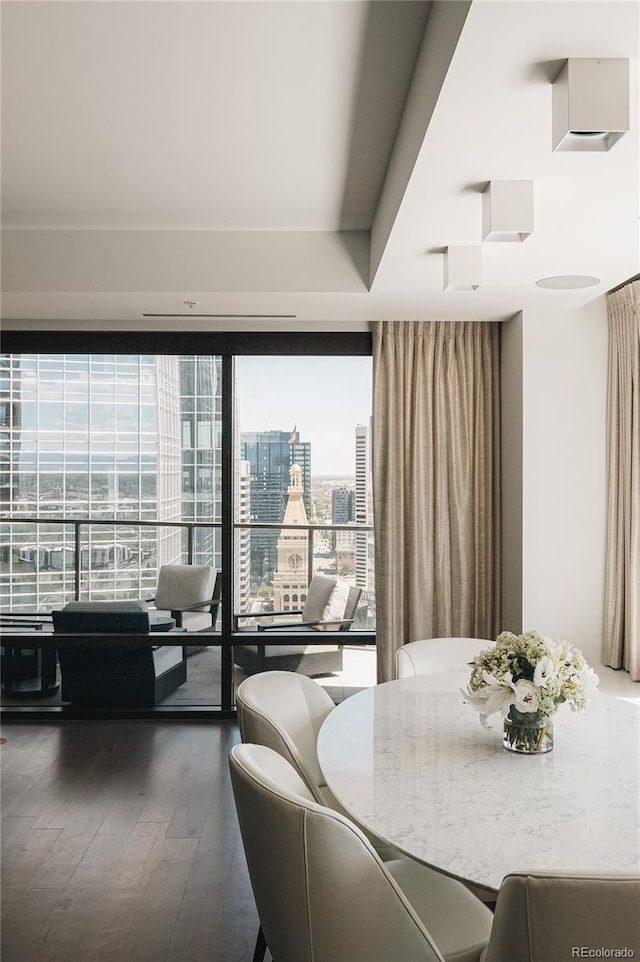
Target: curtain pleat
point(622, 595)
point(436, 482)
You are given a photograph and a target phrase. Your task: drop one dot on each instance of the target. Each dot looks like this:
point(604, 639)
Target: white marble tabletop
point(411, 762)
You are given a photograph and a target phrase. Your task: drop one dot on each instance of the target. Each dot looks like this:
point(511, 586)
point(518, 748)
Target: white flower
point(495, 695)
point(498, 691)
point(548, 673)
point(526, 696)
point(589, 681)
point(544, 672)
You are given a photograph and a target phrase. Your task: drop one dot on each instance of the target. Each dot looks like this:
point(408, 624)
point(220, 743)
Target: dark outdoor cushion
point(102, 616)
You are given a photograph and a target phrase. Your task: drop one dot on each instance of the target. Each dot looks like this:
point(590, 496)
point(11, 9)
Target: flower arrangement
point(526, 677)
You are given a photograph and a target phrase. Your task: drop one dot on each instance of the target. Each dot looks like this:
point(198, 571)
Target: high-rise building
point(343, 542)
point(242, 552)
point(94, 436)
point(362, 503)
point(200, 408)
point(271, 454)
point(365, 557)
point(342, 505)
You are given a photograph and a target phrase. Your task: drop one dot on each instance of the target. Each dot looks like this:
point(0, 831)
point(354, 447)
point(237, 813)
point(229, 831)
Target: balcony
point(47, 562)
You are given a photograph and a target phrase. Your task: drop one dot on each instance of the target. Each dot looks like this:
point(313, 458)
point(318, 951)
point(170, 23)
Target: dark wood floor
point(120, 844)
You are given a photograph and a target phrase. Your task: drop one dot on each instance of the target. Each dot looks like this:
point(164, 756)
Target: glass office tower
point(342, 505)
point(201, 412)
point(270, 455)
point(122, 437)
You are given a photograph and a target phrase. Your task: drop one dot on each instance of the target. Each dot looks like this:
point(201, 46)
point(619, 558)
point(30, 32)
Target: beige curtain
point(436, 482)
point(622, 603)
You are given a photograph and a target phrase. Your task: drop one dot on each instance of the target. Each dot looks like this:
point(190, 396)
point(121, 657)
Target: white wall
point(563, 388)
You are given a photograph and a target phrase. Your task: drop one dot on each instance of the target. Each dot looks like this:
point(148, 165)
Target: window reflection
point(139, 439)
point(102, 436)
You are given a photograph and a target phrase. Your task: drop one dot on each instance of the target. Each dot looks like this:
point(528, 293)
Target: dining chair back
point(544, 917)
point(431, 656)
point(284, 711)
point(322, 892)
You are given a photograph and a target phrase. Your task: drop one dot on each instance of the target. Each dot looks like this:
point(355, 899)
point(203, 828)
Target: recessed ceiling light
point(567, 282)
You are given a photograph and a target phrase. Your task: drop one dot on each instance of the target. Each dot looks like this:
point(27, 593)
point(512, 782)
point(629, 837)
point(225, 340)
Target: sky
point(322, 397)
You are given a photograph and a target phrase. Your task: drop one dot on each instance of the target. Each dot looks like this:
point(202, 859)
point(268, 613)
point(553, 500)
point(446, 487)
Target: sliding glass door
point(113, 464)
point(313, 414)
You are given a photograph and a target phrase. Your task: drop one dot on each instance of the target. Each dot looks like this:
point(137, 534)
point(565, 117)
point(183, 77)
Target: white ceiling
point(303, 161)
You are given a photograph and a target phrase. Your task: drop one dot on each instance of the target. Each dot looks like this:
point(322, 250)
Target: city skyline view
point(135, 438)
point(113, 472)
point(322, 398)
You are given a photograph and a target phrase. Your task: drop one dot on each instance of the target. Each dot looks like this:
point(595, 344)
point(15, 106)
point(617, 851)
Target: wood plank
point(199, 929)
point(97, 867)
point(132, 928)
point(123, 815)
point(62, 860)
point(138, 860)
point(65, 931)
point(24, 922)
point(121, 843)
point(24, 853)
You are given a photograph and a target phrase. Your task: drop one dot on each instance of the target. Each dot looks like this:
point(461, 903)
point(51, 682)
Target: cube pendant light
point(507, 210)
point(462, 268)
point(590, 104)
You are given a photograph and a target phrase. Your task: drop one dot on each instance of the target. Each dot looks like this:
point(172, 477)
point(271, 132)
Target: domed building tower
point(291, 577)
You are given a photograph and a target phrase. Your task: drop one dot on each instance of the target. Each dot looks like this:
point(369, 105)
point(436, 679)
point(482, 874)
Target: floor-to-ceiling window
point(113, 464)
point(311, 412)
point(89, 437)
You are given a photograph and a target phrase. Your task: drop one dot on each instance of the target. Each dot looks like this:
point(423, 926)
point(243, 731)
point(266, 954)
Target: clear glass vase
point(527, 733)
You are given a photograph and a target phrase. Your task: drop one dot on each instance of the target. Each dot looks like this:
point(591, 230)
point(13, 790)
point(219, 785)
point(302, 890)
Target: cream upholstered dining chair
point(436, 655)
point(322, 892)
point(548, 917)
point(285, 711)
point(188, 593)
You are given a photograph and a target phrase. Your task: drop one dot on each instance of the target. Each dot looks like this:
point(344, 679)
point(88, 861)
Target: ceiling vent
point(590, 104)
point(462, 269)
point(507, 210)
point(567, 282)
point(231, 317)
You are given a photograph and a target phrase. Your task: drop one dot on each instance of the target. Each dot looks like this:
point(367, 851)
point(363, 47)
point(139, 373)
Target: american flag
point(293, 437)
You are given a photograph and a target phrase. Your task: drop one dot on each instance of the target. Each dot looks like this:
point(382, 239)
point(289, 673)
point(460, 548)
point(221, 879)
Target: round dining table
point(410, 761)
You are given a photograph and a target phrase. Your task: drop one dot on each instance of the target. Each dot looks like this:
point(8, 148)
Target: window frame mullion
point(228, 494)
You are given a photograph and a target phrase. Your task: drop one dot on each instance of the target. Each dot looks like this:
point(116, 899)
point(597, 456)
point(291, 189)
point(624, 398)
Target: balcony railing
point(75, 552)
point(71, 576)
